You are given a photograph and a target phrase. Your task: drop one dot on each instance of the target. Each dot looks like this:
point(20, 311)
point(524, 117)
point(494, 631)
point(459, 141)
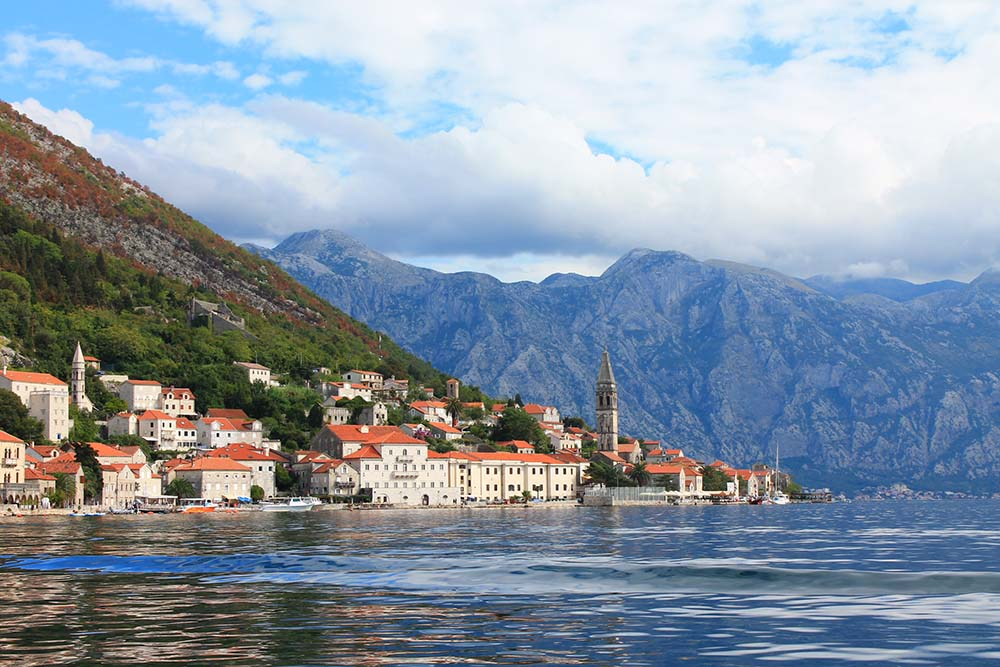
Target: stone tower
point(78, 382)
point(607, 407)
point(452, 388)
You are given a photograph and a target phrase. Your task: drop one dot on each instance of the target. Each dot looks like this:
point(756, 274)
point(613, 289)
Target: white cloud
point(65, 122)
point(257, 81)
point(293, 78)
point(869, 149)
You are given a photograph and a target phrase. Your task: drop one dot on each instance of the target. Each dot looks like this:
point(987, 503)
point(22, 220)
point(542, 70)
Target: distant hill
point(89, 254)
point(890, 288)
point(870, 384)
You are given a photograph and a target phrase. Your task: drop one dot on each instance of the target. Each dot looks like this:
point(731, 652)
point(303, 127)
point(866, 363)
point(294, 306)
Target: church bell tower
point(607, 407)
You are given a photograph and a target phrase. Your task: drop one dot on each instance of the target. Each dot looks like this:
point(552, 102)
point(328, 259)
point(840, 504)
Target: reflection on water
point(875, 583)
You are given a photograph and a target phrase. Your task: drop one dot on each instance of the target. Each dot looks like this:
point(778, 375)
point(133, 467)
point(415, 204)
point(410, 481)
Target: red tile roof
point(7, 437)
point(150, 415)
point(33, 378)
point(366, 452)
point(210, 463)
point(31, 473)
point(60, 465)
point(227, 413)
point(446, 428)
point(107, 451)
point(145, 383)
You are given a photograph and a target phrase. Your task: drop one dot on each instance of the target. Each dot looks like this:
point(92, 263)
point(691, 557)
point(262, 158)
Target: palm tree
point(640, 475)
point(454, 406)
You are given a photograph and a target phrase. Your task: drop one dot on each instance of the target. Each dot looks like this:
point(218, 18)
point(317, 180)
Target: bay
point(903, 582)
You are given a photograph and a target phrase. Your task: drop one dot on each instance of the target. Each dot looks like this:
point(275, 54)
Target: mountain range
point(858, 382)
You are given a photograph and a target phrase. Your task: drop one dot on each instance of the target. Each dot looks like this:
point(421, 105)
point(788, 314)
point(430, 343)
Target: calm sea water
point(871, 583)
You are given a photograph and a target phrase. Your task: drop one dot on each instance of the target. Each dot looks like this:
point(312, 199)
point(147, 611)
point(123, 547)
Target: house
point(37, 485)
point(503, 475)
point(610, 458)
point(346, 390)
point(369, 378)
point(374, 415)
point(140, 395)
point(546, 414)
point(397, 469)
point(333, 414)
point(216, 478)
point(334, 478)
point(680, 479)
point(109, 454)
point(256, 372)
point(157, 428)
point(36, 453)
point(216, 432)
point(518, 446)
point(66, 464)
point(444, 431)
point(45, 396)
point(431, 411)
point(631, 451)
point(92, 362)
point(261, 462)
point(392, 387)
point(123, 423)
point(177, 402)
point(565, 440)
point(123, 483)
point(234, 414)
point(12, 466)
point(339, 440)
point(664, 455)
point(185, 435)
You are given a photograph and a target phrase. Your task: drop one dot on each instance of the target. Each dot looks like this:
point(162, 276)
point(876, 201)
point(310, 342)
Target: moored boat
point(294, 504)
point(197, 505)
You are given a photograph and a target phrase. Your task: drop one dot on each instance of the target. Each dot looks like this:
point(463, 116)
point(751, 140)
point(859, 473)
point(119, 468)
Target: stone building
point(607, 407)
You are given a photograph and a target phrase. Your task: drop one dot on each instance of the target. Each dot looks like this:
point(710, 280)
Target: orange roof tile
point(150, 415)
point(209, 463)
point(31, 473)
point(366, 452)
point(7, 437)
point(33, 378)
point(446, 428)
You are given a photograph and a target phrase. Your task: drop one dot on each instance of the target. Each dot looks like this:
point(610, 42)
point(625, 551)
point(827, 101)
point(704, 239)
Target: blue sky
point(527, 138)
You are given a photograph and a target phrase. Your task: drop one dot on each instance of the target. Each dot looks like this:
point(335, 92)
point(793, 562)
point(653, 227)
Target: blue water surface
point(867, 583)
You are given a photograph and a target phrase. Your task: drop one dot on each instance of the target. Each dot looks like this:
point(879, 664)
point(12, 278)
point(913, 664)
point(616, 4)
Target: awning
point(243, 499)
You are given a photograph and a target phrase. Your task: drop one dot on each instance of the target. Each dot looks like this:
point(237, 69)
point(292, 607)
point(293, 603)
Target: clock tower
point(607, 407)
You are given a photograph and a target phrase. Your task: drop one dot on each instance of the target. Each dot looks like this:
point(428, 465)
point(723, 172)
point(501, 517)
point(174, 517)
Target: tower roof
point(606, 375)
point(78, 355)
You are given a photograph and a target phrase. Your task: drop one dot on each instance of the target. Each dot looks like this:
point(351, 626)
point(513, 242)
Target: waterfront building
point(339, 440)
point(400, 470)
point(12, 466)
point(66, 464)
point(333, 478)
point(499, 476)
point(262, 463)
point(215, 478)
point(607, 407)
point(45, 396)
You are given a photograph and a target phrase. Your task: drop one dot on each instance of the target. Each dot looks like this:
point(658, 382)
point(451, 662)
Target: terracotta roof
point(627, 447)
point(611, 456)
point(107, 451)
point(185, 423)
point(210, 463)
point(673, 452)
point(663, 469)
point(33, 378)
point(7, 437)
point(534, 409)
point(447, 428)
point(227, 413)
point(568, 456)
point(150, 415)
point(418, 405)
point(242, 451)
point(355, 370)
point(31, 473)
point(177, 390)
point(517, 444)
point(251, 365)
point(327, 466)
point(89, 358)
point(66, 466)
point(304, 455)
point(366, 452)
point(144, 383)
point(354, 433)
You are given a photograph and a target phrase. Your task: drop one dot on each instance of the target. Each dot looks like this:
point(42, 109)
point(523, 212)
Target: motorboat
point(293, 504)
point(197, 505)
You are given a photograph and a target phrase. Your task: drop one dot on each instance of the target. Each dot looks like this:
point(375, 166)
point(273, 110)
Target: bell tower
point(607, 407)
point(78, 382)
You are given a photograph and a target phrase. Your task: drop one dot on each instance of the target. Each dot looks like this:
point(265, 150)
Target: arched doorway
point(426, 500)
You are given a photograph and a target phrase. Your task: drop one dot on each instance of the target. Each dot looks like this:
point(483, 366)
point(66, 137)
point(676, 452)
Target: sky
point(842, 137)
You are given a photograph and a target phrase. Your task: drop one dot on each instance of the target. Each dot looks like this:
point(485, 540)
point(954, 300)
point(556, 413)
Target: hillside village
point(379, 442)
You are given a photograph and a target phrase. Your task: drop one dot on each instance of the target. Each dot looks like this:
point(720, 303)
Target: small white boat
point(779, 498)
point(294, 504)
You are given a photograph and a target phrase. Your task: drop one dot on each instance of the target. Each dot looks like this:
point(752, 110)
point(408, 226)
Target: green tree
point(182, 488)
point(526, 496)
point(256, 493)
point(93, 476)
point(84, 425)
point(639, 475)
point(602, 472)
point(714, 479)
point(283, 479)
point(454, 407)
point(64, 492)
point(516, 424)
point(575, 422)
point(14, 418)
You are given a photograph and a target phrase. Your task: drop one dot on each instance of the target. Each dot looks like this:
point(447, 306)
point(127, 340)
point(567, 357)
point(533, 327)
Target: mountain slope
point(62, 207)
point(719, 358)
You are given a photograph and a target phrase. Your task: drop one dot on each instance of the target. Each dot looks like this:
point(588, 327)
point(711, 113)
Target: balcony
point(406, 473)
point(9, 462)
point(404, 459)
